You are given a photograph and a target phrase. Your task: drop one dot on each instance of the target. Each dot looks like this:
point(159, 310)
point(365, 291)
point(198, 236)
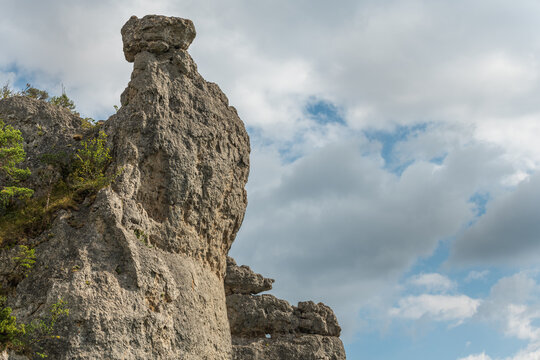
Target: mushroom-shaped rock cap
point(156, 34)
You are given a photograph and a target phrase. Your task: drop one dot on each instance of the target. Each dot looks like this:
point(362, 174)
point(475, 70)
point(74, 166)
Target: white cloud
point(513, 306)
point(526, 354)
point(476, 275)
point(436, 307)
point(334, 225)
point(518, 323)
point(481, 356)
point(532, 353)
point(432, 282)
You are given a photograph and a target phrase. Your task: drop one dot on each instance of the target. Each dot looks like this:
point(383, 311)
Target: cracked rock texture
point(142, 263)
point(265, 327)
point(141, 266)
point(242, 280)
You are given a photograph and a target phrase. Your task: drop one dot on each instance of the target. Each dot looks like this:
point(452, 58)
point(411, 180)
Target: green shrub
point(10, 330)
point(68, 183)
point(30, 220)
point(63, 101)
point(6, 91)
point(90, 163)
point(35, 93)
point(25, 260)
point(88, 123)
point(11, 154)
point(28, 338)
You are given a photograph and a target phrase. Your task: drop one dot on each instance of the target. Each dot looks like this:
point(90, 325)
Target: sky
point(394, 163)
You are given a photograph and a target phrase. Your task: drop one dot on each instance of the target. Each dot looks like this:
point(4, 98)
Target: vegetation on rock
point(26, 338)
point(68, 179)
point(11, 155)
point(90, 163)
point(63, 101)
point(26, 259)
point(35, 93)
point(80, 177)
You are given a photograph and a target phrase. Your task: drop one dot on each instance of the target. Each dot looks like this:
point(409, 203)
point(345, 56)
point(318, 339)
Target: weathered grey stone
point(257, 315)
point(316, 319)
point(265, 327)
point(156, 34)
point(10, 355)
point(141, 264)
point(289, 347)
point(242, 280)
point(185, 158)
point(141, 267)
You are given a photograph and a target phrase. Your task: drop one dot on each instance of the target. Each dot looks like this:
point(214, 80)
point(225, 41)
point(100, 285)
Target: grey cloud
point(335, 226)
point(508, 232)
point(513, 306)
point(404, 61)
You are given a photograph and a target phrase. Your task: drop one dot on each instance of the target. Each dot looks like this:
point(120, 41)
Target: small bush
point(69, 182)
point(10, 330)
point(90, 163)
point(63, 101)
point(35, 93)
point(28, 338)
point(30, 220)
point(25, 260)
point(11, 154)
point(6, 91)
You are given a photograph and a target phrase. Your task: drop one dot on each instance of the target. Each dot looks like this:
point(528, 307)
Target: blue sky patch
point(389, 139)
point(412, 340)
point(480, 200)
point(324, 112)
point(20, 81)
point(438, 160)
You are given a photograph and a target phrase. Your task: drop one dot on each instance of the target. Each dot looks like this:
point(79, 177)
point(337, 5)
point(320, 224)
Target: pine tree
point(11, 154)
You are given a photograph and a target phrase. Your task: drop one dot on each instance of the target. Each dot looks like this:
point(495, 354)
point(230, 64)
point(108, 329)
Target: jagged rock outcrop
point(265, 327)
point(141, 263)
point(242, 280)
point(141, 266)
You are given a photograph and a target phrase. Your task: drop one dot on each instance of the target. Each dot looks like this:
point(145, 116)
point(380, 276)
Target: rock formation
point(141, 264)
point(264, 327)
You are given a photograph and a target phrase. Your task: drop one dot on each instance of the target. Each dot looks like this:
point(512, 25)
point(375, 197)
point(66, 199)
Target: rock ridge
point(265, 327)
point(142, 264)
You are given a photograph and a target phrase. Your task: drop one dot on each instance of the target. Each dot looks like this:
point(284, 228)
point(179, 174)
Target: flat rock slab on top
point(156, 34)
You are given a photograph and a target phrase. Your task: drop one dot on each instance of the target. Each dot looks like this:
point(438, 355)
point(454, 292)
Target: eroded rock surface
point(141, 265)
point(288, 347)
point(265, 327)
point(242, 280)
point(156, 34)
